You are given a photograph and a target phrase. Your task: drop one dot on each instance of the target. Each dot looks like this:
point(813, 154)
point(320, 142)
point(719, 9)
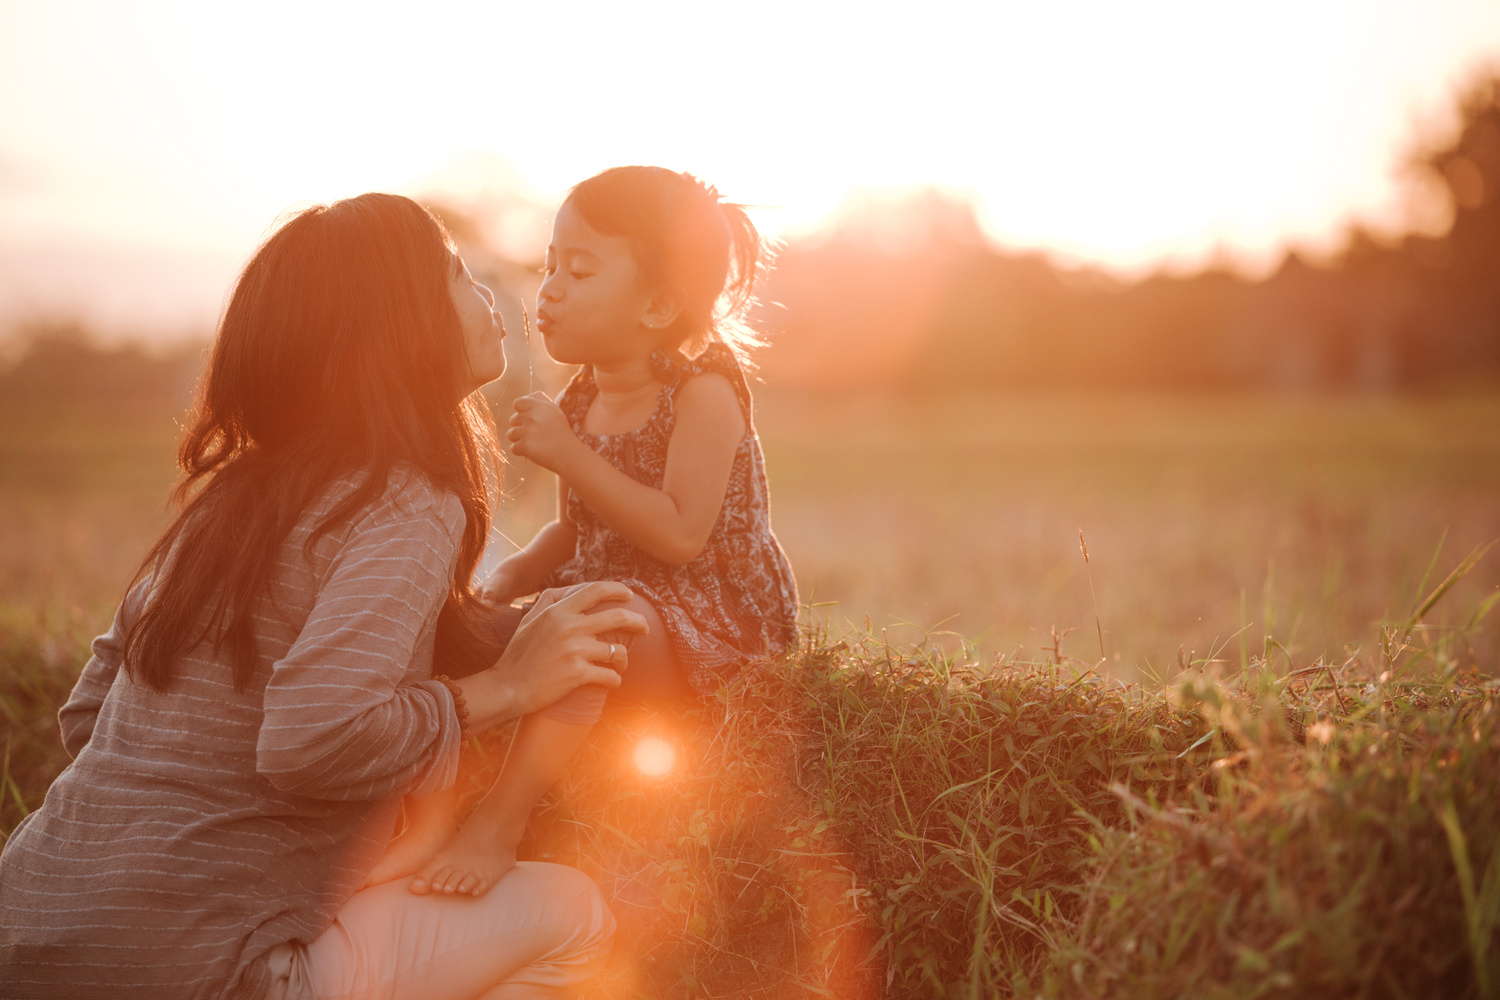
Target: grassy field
point(1299, 796)
point(1211, 523)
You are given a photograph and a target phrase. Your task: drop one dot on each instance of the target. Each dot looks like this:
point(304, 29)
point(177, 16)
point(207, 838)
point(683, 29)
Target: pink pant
point(537, 934)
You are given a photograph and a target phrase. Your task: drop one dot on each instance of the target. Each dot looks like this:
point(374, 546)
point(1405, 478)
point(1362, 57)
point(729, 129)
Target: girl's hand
point(504, 585)
point(540, 431)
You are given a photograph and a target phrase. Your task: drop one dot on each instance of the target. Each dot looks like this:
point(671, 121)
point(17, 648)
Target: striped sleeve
point(77, 716)
point(340, 721)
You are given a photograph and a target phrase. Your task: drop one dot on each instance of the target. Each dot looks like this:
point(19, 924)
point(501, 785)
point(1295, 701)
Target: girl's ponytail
point(747, 258)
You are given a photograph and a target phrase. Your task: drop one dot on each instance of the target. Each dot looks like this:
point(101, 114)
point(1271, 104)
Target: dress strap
point(576, 396)
point(718, 359)
point(666, 368)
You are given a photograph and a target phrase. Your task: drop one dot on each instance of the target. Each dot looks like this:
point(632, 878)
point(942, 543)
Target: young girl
point(661, 481)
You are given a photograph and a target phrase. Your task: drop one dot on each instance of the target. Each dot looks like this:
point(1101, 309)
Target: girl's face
point(484, 331)
point(593, 308)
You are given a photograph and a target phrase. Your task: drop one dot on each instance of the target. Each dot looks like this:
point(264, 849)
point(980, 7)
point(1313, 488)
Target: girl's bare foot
point(416, 846)
point(471, 863)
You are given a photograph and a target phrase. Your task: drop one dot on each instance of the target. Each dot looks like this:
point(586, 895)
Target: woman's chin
point(478, 380)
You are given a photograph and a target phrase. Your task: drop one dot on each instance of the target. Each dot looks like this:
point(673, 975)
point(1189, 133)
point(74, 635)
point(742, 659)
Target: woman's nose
point(545, 292)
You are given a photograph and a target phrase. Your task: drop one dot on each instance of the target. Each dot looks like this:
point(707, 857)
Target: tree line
point(912, 297)
point(917, 299)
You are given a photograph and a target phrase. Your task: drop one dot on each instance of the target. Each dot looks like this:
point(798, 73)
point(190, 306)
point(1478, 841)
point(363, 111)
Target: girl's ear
point(662, 310)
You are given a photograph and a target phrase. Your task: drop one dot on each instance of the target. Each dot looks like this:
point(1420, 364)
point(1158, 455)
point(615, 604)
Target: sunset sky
point(145, 147)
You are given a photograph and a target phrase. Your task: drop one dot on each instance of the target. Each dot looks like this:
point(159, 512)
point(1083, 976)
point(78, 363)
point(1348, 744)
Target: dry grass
point(1306, 520)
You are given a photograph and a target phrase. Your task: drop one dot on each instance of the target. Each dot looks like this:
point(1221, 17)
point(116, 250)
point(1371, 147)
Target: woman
point(244, 731)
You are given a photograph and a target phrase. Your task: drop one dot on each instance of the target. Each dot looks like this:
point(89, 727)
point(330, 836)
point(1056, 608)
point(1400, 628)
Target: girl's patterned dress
point(736, 601)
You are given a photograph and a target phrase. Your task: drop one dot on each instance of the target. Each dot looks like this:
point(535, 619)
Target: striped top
point(198, 827)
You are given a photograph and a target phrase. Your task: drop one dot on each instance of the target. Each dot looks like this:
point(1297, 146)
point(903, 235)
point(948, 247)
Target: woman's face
point(484, 331)
point(592, 308)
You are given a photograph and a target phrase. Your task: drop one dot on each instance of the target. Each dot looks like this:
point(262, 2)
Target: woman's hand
point(556, 649)
point(540, 431)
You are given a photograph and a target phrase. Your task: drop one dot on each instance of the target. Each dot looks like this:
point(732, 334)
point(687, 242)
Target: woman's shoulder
point(411, 491)
point(408, 498)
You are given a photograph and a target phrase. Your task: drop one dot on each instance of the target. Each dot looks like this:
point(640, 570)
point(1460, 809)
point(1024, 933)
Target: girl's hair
point(340, 354)
point(688, 241)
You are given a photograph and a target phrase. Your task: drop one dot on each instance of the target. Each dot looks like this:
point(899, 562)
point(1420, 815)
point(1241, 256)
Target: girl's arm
point(674, 522)
point(522, 573)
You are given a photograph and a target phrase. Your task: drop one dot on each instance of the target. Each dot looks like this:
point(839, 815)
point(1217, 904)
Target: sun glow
point(1164, 131)
point(654, 756)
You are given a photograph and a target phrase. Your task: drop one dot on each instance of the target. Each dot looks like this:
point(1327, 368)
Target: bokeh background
point(1215, 288)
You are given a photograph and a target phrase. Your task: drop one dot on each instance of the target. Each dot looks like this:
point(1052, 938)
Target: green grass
point(1354, 855)
point(862, 821)
point(1279, 781)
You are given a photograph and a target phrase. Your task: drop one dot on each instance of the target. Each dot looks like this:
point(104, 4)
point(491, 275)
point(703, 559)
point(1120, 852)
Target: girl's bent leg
point(430, 823)
point(484, 848)
point(539, 933)
point(653, 675)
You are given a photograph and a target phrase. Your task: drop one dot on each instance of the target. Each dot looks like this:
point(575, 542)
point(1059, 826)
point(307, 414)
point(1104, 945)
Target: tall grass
point(41, 660)
point(1345, 843)
point(864, 820)
point(867, 821)
point(861, 821)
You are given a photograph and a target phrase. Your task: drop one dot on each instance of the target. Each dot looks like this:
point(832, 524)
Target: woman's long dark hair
point(340, 354)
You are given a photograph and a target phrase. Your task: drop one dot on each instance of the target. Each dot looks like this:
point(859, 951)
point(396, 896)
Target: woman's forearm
point(491, 699)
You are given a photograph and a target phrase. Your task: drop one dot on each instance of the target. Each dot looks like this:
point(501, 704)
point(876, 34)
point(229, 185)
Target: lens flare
point(654, 756)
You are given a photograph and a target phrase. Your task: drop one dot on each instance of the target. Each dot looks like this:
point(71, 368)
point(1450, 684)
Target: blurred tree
point(904, 292)
point(1461, 270)
point(64, 362)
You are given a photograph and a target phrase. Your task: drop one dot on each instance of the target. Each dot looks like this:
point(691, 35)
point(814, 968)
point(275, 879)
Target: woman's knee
point(571, 899)
point(540, 931)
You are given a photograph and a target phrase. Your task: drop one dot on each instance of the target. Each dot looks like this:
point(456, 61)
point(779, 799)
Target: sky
point(146, 147)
